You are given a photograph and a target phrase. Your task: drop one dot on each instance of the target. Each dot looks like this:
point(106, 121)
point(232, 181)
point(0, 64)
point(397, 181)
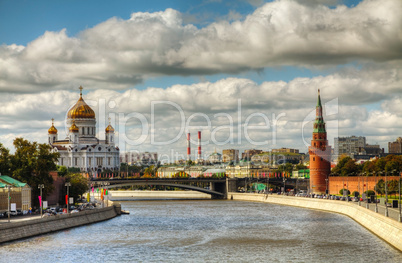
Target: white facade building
point(81, 149)
point(135, 157)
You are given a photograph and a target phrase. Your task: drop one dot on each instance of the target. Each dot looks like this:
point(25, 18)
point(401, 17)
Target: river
point(208, 231)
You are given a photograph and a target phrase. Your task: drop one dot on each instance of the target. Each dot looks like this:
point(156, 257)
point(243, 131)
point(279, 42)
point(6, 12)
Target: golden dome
point(74, 128)
point(81, 110)
point(109, 129)
point(52, 130)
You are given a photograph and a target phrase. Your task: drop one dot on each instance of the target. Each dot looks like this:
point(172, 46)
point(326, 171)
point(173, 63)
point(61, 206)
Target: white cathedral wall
point(87, 127)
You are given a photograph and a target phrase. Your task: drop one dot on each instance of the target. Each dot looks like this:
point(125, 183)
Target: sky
point(244, 73)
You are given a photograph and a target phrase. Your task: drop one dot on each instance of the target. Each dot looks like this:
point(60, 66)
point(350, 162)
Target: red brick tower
point(320, 154)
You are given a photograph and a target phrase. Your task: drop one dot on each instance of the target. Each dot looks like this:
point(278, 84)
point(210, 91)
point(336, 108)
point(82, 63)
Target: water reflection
point(209, 231)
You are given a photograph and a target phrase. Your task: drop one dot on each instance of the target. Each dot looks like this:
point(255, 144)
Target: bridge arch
point(214, 194)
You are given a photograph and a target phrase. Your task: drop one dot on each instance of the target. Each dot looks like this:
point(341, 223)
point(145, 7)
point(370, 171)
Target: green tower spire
point(319, 124)
point(319, 99)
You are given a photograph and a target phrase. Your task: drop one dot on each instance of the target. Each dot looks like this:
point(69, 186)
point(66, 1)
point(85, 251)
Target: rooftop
point(7, 180)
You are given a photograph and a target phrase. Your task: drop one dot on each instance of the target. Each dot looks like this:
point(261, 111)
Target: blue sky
point(272, 55)
point(23, 21)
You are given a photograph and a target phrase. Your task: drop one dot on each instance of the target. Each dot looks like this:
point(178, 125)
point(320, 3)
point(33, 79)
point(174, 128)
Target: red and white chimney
point(199, 145)
point(188, 147)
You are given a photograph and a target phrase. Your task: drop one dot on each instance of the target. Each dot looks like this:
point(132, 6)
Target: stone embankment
point(24, 229)
point(135, 195)
point(384, 227)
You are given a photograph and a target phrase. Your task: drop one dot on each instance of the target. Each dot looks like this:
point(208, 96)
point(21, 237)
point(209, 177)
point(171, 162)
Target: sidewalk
point(393, 213)
point(14, 219)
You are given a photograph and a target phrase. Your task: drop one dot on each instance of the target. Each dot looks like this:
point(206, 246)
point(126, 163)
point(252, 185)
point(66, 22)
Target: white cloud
point(293, 101)
point(117, 53)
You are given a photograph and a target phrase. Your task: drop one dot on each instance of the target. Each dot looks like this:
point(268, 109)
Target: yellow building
point(20, 193)
point(247, 169)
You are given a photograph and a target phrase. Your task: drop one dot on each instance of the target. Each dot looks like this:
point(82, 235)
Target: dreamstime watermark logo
point(235, 124)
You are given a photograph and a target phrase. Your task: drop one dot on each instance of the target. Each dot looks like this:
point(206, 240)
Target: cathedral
point(81, 149)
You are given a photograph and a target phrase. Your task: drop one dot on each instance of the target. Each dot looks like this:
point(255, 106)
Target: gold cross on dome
point(52, 121)
point(109, 120)
point(81, 88)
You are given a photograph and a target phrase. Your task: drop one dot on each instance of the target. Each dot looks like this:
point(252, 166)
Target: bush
point(369, 192)
point(355, 193)
point(341, 191)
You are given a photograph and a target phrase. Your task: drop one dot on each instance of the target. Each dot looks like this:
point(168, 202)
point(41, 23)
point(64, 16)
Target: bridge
point(217, 187)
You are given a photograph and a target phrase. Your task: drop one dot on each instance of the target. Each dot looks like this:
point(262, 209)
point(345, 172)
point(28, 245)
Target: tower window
point(83, 131)
point(313, 158)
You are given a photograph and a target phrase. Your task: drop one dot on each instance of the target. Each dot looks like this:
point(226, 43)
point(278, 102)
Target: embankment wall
point(384, 227)
point(24, 229)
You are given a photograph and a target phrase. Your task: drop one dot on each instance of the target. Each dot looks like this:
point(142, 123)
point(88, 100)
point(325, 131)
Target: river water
point(208, 231)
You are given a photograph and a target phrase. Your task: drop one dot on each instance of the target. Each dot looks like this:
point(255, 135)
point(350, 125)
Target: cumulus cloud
point(224, 110)
point(118, 53)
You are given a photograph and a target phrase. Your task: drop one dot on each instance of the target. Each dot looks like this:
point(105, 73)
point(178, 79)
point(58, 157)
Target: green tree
point(346, 166)
point(79, 185)
point(31, 163)
point(341, 163)
point(380, 164)
point(5, 160)
point(149, 171)
point(62, 170)
point(393, 187)
point(380, 187)
point(300, 166)
point(369, 193)
point(287, 168)
point(369, 167)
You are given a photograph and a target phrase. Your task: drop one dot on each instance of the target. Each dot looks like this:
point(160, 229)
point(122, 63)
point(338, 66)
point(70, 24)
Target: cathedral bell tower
point(52, 134)
point(109, 134)
point(320, 154)
point(73, 136)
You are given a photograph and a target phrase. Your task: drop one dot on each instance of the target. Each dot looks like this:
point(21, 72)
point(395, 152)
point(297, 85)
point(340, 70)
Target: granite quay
point(386, 228)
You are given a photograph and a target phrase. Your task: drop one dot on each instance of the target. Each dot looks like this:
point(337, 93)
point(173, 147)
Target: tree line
point(32, 163)
point(391, 164)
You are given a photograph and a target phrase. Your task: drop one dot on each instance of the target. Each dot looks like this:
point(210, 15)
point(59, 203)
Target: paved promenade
point(387, 228)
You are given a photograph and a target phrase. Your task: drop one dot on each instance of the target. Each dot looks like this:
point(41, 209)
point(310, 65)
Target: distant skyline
point(208, 58)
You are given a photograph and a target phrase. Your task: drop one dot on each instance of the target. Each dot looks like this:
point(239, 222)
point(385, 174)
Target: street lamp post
point(400, 214)
point(386, 196)
point(41, 186)
point(68, 195)
point(8, 213)
point(375, 189)
point(367, 192)
point(107, 198)
point(363, 190)
point(284, 186)
point(359, 189)
point(347, 187)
